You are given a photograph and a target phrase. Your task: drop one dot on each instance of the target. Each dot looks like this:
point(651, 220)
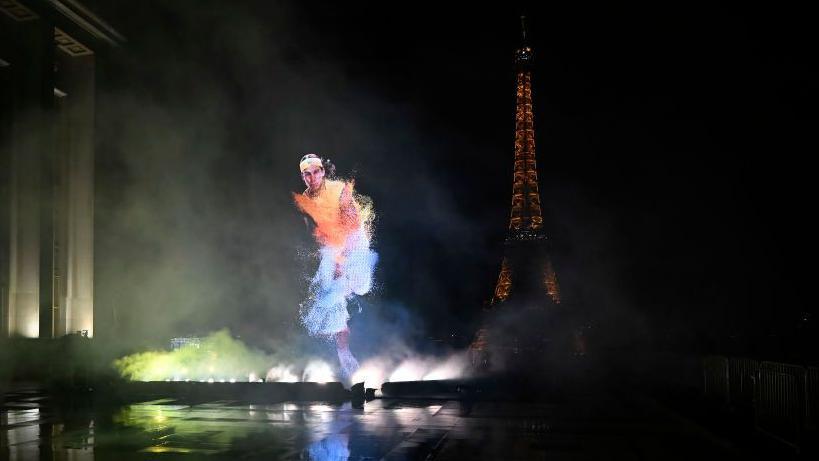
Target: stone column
point(75, 78)
point(6, 104)
point(31, 66)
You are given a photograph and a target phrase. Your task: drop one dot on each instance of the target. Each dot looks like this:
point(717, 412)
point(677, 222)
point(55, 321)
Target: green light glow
point(218, 357)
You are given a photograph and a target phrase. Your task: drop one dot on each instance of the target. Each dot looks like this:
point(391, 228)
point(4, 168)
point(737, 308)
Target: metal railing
point(812, 399)
point(779, 406)
point(784, 397)
point(715, 379)
point(741, 375)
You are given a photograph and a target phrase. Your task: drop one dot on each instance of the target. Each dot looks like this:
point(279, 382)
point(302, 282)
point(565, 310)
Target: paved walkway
point(603, 427)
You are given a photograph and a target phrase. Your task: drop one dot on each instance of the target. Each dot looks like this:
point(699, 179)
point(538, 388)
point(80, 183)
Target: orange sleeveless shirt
point(332, 226)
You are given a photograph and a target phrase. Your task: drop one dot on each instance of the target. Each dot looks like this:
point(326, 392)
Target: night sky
point(673, 148)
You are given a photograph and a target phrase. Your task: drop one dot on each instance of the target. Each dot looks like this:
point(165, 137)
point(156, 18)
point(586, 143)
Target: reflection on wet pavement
point(608, 428)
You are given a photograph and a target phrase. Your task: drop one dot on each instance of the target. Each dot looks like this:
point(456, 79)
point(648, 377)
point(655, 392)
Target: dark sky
point(673, 143)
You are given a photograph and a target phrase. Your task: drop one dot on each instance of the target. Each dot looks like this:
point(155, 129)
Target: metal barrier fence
point(784, 397)
point(812, 399)
point(779, 407)
point(741, 375)
point(715, 379)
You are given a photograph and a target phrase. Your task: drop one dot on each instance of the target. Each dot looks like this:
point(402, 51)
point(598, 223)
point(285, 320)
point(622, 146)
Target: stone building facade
point(49, 54)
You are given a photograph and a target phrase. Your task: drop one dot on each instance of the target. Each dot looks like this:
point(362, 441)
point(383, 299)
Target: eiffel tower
point(527, 280)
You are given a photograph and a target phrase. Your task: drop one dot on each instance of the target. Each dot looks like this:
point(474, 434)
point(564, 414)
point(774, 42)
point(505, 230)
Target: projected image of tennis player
point(341, 222)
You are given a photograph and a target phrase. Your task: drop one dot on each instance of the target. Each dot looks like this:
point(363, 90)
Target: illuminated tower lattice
point(526, 267)
point(527, 278)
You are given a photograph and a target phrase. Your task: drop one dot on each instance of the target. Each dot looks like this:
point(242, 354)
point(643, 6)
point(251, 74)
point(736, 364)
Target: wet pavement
point(603, 426)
